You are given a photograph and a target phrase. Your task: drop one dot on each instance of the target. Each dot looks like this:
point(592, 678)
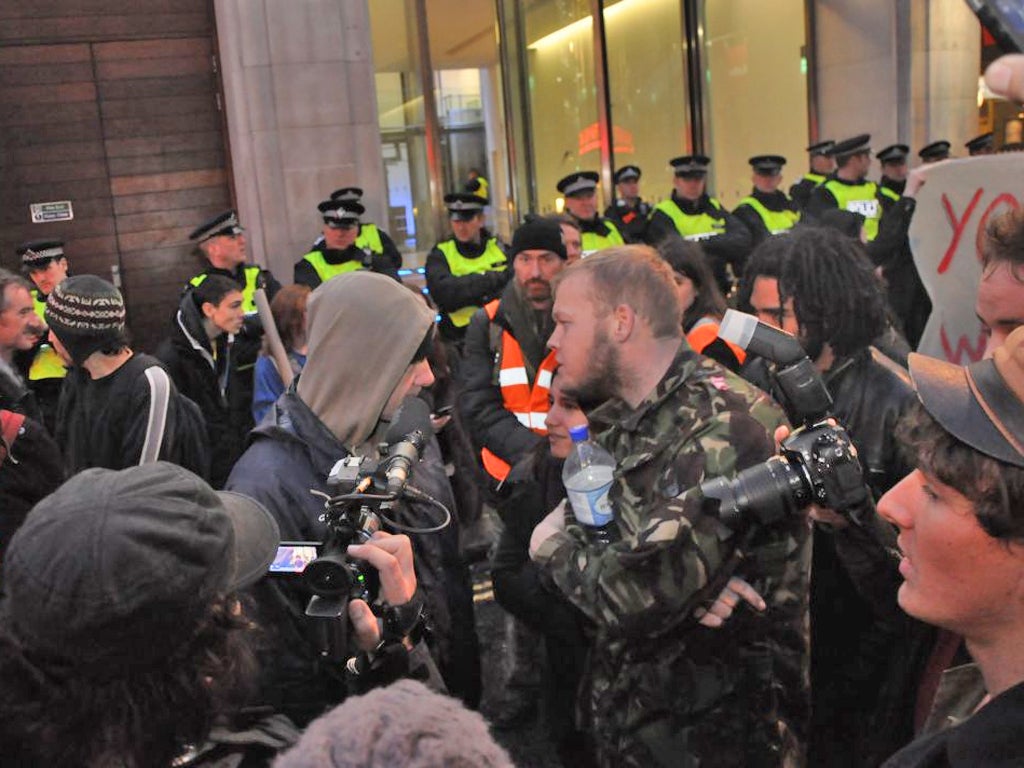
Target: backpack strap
point(159, 399)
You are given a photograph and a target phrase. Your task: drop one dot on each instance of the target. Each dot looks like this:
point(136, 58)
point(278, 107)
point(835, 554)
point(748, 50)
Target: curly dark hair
point(686, 258)
point(994, 487)
point(64, 718)
point(836, 298)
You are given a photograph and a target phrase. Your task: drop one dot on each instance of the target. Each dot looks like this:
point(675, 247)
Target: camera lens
point(765, 493)
point(329, 575)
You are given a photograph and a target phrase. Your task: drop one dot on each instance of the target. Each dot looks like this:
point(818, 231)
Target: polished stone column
point(301, 113)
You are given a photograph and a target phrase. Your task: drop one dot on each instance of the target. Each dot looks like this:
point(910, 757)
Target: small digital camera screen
point(293, 558)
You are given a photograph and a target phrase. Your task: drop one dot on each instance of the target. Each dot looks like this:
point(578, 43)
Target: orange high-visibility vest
point(704, 332)
point(529, 403)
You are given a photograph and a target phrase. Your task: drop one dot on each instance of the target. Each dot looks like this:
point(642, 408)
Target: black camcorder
point(363, 492)
point(817, 463)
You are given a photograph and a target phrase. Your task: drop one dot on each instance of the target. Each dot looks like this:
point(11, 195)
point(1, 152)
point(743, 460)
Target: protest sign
point(953, 208)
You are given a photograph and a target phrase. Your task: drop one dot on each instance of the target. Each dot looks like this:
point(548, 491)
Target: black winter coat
point(859, 646)
point(214, 383)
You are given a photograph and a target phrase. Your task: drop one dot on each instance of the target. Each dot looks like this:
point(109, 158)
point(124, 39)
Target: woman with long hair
point(702, 302)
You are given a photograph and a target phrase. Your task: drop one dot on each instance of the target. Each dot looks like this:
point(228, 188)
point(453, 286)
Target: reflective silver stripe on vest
point(159, 397)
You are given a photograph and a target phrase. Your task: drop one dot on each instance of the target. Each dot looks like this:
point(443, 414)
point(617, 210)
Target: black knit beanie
point(87, 314)
point(541, 235)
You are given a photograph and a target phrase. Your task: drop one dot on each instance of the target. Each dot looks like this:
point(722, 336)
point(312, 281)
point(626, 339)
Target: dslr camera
point(817, 463)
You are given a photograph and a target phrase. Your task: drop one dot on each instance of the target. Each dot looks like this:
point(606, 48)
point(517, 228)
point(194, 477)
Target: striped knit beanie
point(87, 314)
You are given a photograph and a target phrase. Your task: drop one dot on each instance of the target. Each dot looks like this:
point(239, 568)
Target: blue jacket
point(290, 453)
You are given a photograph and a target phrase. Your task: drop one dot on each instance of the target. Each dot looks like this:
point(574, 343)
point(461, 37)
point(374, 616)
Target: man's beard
point(604, 378)
point(537, 291)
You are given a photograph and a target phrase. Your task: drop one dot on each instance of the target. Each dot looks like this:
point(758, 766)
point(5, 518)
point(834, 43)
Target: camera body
point(333, 574)
point(817, 463)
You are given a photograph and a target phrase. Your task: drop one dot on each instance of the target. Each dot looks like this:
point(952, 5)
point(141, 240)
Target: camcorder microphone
point(405, 440)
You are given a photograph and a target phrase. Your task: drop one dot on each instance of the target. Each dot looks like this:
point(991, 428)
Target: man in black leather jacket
point(818, 285)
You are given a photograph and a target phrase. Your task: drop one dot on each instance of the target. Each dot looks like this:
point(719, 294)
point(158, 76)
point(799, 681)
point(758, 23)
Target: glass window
point(465, 83)
point(559, 39)
point(647, 88)
point(411, 222)
point(756, 89)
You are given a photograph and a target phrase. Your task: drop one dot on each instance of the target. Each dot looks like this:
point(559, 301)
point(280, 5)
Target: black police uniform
point(630, 218)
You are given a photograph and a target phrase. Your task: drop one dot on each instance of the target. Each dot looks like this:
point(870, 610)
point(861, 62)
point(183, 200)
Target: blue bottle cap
point(579, 434)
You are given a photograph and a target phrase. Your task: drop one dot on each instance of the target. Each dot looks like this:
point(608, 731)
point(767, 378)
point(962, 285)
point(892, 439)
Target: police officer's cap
point(349, 194)
point(340, 213)
point(981, 404)
point(821, 148)
point(979, 143)
point(222, 224)
point(463, 206)
point(894, 153)
point(626, 173)
point(767, 165)
point(37, 254)
point(687, 165)
point(852, 146)
point(577, 183)
point(937, 150)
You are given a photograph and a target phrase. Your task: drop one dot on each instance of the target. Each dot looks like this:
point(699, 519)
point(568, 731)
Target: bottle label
point(592, 507)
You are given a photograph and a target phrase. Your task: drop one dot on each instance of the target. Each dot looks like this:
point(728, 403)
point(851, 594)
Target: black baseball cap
point(113, 571)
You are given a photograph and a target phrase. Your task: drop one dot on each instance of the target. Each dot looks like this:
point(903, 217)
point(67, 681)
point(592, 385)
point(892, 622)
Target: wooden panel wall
point(115, 110)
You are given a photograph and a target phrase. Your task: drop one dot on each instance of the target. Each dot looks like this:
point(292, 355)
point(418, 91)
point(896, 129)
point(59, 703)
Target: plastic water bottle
point(587, 475)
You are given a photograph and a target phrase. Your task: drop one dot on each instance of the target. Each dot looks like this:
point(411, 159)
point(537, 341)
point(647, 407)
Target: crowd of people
point(144, 498)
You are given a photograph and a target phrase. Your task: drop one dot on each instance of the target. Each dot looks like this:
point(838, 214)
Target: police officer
point(822, 166)
point(981, 145)
point(477, 185)
point(339, 253)
point(47, 266)
point(580, 192)
point(934, 152)
point(690, 213)
point(893, 160)
point(467, 270)
point(767, 211)
point(221, 241)
point(849, 190)
point(629, 212)
point(371, 238)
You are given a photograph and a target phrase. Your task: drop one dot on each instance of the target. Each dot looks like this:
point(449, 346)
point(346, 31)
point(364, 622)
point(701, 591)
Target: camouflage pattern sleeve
point(670, 551)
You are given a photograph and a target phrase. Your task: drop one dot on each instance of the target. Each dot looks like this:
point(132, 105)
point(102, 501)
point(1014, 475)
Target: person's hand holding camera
point(391, 555)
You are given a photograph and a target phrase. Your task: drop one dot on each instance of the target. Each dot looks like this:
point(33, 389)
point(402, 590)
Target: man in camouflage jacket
point(664, 690)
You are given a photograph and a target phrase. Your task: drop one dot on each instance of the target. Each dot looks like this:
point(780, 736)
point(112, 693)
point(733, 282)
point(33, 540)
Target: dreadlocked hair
point(836, 298)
